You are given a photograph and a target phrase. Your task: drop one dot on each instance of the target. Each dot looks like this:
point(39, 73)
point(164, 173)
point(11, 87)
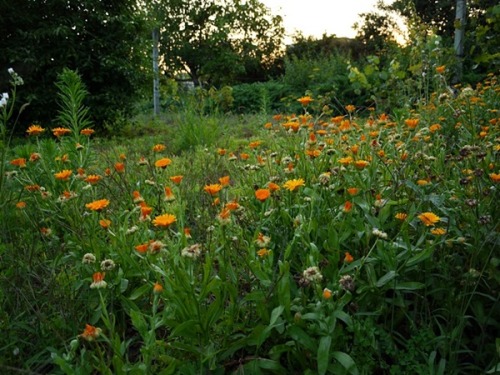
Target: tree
point(219, 41)
point(103, 40)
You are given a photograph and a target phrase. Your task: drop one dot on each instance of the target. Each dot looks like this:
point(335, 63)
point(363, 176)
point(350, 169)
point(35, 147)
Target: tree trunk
point(156, 73)
point(460, 14)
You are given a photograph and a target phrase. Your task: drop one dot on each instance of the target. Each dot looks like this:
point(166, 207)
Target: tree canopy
point(102, 40)
point(219, 41)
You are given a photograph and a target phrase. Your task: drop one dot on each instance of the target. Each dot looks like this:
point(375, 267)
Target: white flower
point(377, 232)
point(11, 71)
point(192, 251)
point(107, 265)
point(312, 274)
point(88, 258)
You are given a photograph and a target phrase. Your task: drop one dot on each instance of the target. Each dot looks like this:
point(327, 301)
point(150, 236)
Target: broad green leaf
point(139, 322)
point(346, 361)
point(302, 338)
point(386, 278)
point(140, 291)
point(323, 356)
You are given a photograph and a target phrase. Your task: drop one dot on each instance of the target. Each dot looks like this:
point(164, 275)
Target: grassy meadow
point(325, 241)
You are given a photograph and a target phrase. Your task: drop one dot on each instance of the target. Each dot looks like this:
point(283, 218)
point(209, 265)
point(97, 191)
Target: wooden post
point(156, 73)
point(460, 15)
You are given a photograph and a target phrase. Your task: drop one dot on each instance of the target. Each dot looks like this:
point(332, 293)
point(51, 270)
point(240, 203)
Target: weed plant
point(323, 243)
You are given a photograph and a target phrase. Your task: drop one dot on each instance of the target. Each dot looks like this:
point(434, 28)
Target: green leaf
point(409, 285)
point(386, 278)
point(323, 355)
point(346, 361)
point(302, 338)
point(139, 292)
point(139, 322)
point(189, 328)
point(275, 315)
point(420, 257)
point(123, 285)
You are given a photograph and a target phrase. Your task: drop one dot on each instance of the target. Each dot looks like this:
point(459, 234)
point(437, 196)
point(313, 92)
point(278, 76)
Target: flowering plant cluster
point(286, 251)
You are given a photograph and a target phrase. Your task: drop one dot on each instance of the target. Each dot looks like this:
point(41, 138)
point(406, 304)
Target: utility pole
point(156, 73)
point(460, 18)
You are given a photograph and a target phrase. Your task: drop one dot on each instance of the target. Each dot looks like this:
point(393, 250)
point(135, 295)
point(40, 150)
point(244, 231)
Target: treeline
point(236, 44)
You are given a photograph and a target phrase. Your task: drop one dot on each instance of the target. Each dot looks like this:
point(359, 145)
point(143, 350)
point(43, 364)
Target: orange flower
point(273, 187)
point(35, 156)
point(32, 188)
point(64, 175)
point(294, 184)
point(441, 69)
point(19, 162)
point(244, 156)
point(87, 132)
point(345, 161)
point(142, 248)
point(262, 194)
point(224, 216)
point(353, 191)
point(213, 188)
point(221, 151)
point(145, 211)
point(93, 179)
point(21, 205)
point(159, 147)
point(401, 216)
point(105, 223)
point(164, 220)
point(347, 206)
point(254, 144)
point(98, 280)
point(350, 108)
point(163, 163)
point(157, 288)
point(187, 232)
point(137, 197)
point(35, 130)
point(495, 177)
point(348, 258)
point(429, 218)
point(438, 231)
point(120, 167)
point(434, 128)
point(412, 122)
point(263, 252)
point(361, 164)
point(327, 293)
point(224, 181)
point(305, 100)
point(176, 179)
point(90, 333)
point(58, 132)
point(232, 205)
point(97, 205)
point(169, 195)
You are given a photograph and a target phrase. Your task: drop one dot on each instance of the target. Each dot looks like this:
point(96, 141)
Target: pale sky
point(316, 17)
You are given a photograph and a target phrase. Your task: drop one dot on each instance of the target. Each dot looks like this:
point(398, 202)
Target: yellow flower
point(97, 205)
point(345, 161)
point(164, 220)
point(263, 252)
point(159, 147)
point(63, 175)
point(422, 182)
point(350, 108)
point(438, 231)
point(163, 163)
point(35, 130)
point(401, 216)
point(213, 188)
point(262, 194)
point(429, 218)
point(294, 184)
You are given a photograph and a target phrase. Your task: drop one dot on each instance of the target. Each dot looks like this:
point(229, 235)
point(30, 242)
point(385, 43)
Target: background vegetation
point(337, 211)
